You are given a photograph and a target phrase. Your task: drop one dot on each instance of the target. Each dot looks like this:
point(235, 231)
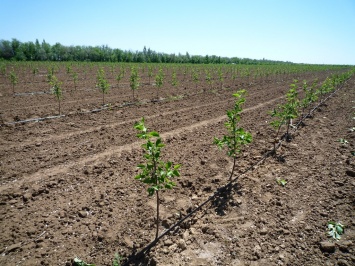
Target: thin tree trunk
point(157, 231)
point(234, 160)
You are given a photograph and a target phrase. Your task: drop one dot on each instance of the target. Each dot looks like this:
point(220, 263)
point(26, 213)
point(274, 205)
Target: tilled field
point(68, 188)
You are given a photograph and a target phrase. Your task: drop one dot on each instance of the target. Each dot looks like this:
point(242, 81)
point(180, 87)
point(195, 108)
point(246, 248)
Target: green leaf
point(176, 173)
point(335, 230)
point(281, 182)
point(154, 134)
point(79, 262)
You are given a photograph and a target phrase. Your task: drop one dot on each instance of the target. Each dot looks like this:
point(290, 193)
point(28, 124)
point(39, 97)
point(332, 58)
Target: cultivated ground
point(68, 189)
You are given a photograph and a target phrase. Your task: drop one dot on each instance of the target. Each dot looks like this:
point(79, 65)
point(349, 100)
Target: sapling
point(50, 73)
point(155, 173)
point(34, 72)
point(159, 79)
point(134, 80)
point(14, 80)
point(310, 96)
point(174, 81)
point(56, 90)
point(237, 136)
point(150, 73)
point(102, 84)
point(118, 78)
point(220, 77)
point(209, 78)
point(75, 79)
point(69, 69)
point(285, 113)
point(195, 77)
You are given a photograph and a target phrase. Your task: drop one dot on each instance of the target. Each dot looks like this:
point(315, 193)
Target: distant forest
point(36, 51)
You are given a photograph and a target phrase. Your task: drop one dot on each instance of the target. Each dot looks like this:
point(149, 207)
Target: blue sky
point(301, 31)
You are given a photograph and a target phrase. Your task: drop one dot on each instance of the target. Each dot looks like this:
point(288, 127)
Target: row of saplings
point(158, 174)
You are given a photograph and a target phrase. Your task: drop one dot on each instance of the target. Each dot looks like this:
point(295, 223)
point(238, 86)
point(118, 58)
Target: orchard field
point(67, 176)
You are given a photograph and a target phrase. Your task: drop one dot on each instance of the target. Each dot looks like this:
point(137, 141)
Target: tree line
point(36, 51)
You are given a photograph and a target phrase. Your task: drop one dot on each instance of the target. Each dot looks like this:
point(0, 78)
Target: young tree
point(34, 72)
point(285, 113)
point(150, 73)
point(174, 81)
point(220, 76)
point(118, 78)
point(159, 79)
point(209, 78)
point(195, 77)
point(56, 88)
point(134, 80)
point(69, 69)
point(14, 80)
point(155, 172)
point(75, 79)
point(237, 136)
point(102, 84)
point(310, 95)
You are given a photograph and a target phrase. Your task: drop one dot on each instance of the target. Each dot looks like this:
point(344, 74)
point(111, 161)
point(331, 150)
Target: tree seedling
point(281, 182)
point(159, 78)
point(237, 136)
point(117, 260)
point(118, 79)
point(285, 113)
point(150, 73)
point(335, 230)
point(14, 80)
point(50, 73)
point(208, 78)
point(69, 69)
point(75, 79)
point(155, 173)
point(220, 77)
point(134, 80)
point(174, 81)
point(34, 72)
point(195, 77)
point(310, 95)
point(102, 84)
point(56, 89)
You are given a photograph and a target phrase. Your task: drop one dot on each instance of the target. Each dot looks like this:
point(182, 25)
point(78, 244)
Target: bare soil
point(68, 189)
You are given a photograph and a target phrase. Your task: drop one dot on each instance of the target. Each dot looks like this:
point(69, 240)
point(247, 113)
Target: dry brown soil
point(68, 188)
